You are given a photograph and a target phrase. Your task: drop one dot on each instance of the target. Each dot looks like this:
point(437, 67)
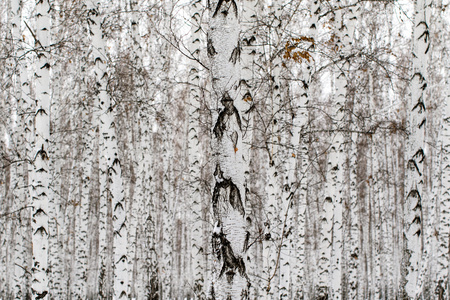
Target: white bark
point(335, 173)
point(229, 237)
point(354, 252)
point(20, 192)
point(139, 163)
point(274, 209)
point(87, 154)
point(167, 214)
point(194, 153)
point(443, 289)
point(326, 232)
point(111, 187)
point(61, 181)
point(251, 11)
point(40, 179)
point(415, 149)
point(102, 283)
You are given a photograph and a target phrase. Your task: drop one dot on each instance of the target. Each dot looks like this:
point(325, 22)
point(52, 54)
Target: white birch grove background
point(226, 149)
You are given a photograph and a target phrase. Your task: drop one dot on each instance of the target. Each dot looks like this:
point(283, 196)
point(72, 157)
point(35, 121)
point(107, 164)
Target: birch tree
point(41, 175)
point(111, 187)
point(198, 251)
point(21, 145)
point(335, 172)
point(229, 238)
point(273, 209)
point(415, 149)
point(251, 51)
point(443, 276)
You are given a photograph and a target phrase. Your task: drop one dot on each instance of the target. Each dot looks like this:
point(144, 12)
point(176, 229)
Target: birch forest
point(224, 149)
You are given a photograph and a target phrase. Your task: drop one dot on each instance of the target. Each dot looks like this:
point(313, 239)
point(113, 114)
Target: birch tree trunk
point(443, 288)
point(273, 209)
point(111, 187)
point(41, 175)
point(21, 134)
point(229, 238)
point(336, 165)
point(194, 153)
point(140, 163)
point(353, 256)
point(82, 229)
point(415, 154)
point(249, 38)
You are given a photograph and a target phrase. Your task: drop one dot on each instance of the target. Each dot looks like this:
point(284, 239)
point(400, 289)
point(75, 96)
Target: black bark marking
point(116, 161)
point(247, 238)
point(236, 54)
point(418, 206)
point(118, 205)
point(428, 48)
point(421, 78)
point(425, 35)
point(46, 66)
point(243, 83)
point(420, 155)
point(41, 230)
point(412, 165)
point(249, 41)
point(98, 59)
point(225, 9)
point(225, 115)
point(41, 111)
point(424, 121)
point(123, 258)
point(222, 185)
point(38, 212)
point(415, 194)
point(210, 48)
point(416, 220)
point(231, 262)
point(41, 295)
point(42, 153)
point(213, 293)
point(420, 105)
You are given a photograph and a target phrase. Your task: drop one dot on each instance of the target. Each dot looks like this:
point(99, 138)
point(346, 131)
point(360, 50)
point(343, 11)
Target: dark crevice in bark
point(225, 9)
point(231, 262)
point(223, 121)
point(234, 196)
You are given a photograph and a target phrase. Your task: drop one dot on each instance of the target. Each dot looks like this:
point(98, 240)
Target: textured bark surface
point(415, 155)
point(277, 99)
point(41, 176)
point(198, 251)
point(444, 200)
point(111, 188)
point(229, 239)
